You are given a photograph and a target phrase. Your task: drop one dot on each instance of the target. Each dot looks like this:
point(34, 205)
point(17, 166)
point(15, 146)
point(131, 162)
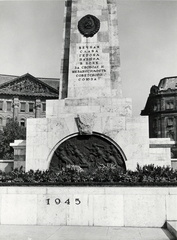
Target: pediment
point(28, 85)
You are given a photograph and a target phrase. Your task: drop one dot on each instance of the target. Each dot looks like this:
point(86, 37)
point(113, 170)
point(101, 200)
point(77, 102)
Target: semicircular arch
point(86, 150)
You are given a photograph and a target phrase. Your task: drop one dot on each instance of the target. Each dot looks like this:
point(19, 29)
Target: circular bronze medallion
point(89, 25)
point(87, 152)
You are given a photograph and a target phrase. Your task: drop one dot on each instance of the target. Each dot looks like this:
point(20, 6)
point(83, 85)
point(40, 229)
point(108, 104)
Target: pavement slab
point(23, 232)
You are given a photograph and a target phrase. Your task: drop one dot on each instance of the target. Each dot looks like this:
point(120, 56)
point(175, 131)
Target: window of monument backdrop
point(12, 131)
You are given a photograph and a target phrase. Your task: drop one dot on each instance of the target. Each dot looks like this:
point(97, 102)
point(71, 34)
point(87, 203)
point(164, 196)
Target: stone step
point(172, 227)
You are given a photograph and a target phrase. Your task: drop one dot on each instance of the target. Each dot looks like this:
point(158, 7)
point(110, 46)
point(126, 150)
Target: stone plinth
point(88, 206)
point(130, 134)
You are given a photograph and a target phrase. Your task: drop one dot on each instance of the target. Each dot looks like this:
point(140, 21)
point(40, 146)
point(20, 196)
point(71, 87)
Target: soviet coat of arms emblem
point(89, 25)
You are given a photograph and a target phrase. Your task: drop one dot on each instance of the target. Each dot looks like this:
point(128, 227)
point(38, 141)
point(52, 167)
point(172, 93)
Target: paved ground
point(14, 232)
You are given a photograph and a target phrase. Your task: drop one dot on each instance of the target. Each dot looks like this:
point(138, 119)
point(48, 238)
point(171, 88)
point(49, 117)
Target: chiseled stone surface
point(145, 210)
point(52, 214)
point(91, 52)
point(18, 209)
point(112, 213)
point(87, 206)
point(171, 207)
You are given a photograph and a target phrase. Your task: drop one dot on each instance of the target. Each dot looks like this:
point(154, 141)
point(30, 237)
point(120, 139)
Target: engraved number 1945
point(58, 201)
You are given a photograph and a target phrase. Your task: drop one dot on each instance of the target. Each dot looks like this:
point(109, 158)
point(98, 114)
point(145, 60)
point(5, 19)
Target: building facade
point(25, 96)
point(161, 107)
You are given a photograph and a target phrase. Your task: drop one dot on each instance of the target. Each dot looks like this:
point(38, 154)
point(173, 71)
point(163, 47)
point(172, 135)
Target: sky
point(31, 40)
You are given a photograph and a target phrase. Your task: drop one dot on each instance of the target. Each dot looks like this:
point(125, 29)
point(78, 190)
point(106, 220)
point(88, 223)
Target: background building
point(25, 97)
point(161, 107)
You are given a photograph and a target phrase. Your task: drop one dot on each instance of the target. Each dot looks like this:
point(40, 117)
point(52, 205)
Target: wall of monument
point(88, 206)
point(130, 134)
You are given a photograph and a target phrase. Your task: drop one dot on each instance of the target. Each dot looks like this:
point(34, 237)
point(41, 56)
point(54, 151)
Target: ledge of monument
point(161, 143)
point(97, 101)
point(101, 105)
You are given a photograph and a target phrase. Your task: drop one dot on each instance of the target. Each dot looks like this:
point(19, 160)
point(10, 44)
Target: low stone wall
point(88, 206)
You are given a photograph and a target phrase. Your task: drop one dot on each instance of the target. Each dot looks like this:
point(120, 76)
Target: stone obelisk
point(90, 65)
point(91, 111)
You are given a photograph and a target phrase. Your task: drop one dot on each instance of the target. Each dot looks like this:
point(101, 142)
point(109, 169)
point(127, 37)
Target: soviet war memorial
point(90, 162)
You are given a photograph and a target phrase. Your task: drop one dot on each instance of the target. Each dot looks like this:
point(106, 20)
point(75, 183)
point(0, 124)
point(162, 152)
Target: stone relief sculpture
point(85, 123)
point(25, 86)
point(88, 152)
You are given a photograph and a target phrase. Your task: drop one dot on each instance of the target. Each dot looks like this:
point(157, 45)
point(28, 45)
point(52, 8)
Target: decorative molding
point(27, 85)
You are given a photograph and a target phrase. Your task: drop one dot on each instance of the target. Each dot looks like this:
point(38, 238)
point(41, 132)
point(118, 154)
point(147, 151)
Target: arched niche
point(87, 151)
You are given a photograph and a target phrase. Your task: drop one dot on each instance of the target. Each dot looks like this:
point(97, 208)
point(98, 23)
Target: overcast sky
point(31, 37)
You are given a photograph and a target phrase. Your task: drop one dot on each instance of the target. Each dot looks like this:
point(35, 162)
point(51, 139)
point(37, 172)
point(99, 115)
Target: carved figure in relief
point(63, 159)
point(92, 160)
point(87, 152)
point(111, 159)
point(99, 153)
point(79, 155)
point(116, 155)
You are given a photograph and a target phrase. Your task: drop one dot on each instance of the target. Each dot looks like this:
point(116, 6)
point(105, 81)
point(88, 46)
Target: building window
point(170, 134)
point(31, 107)
point(154, 123)
point(169, 122)
point(169, 104)
point(7, 120)
point(44, 107)
point(1, 105)
point(155, 108)
point(23, 105)
point(22, 122)
point(8, 106)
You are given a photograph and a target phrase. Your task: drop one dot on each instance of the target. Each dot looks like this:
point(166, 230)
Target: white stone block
point(108, 210)
point(71, 125)
point(90, 8)
point(80, 211)
point(98, 127)
point(51, 211)
point(173, 190)
point(18, 209)
point(144, 210)
point(171, 207)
